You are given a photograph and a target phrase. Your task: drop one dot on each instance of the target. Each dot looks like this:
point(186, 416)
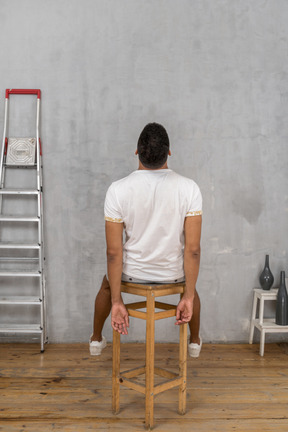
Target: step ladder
point(22, 277)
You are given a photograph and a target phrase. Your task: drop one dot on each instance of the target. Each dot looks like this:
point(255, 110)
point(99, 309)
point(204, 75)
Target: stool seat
point(150, 292)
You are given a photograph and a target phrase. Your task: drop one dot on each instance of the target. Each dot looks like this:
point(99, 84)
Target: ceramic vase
point(266, 278)
point(282, 303)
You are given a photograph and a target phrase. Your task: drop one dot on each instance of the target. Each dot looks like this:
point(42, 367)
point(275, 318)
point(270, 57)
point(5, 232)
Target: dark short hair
point(153, 146)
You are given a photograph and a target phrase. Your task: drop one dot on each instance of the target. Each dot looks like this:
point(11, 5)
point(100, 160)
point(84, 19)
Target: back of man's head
point(153, 146)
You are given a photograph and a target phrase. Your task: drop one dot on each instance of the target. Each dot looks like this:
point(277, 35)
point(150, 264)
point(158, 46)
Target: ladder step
point(27, 273)
point(22, 260)
point(10, 218)
point(20, 328)
point(20, 166)
point(18, 191)
point(20, 300)
point(12, 245)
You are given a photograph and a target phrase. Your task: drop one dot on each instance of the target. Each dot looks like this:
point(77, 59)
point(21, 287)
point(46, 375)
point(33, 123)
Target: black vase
point(266, 278)
point(282, 303)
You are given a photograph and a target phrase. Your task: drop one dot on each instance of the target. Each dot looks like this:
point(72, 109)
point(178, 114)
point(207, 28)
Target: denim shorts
point(126, 278)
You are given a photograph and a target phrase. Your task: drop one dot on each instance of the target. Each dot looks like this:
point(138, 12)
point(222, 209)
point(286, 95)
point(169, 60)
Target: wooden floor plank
point(129, 425)
point(194, 383)
point(72, 394)
point(229, 388)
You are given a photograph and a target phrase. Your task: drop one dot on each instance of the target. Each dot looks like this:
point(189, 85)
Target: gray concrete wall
point(214, 73)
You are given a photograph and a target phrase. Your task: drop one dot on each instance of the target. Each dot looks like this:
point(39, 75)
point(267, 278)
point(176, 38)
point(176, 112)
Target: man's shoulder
point(120, 187)
point(123, 181)
point(184, 181)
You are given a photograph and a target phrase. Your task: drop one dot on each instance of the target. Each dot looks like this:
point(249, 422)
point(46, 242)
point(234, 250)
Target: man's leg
point(194, 324)
point(102, 309)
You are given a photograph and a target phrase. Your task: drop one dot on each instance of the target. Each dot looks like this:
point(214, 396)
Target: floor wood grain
point(229, 388)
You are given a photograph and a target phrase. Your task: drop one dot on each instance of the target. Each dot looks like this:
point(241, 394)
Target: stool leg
point(261, 310)
point(262, 342)
point(183, 368)
point(149, 374)
point(253, 317)
point(116, 372)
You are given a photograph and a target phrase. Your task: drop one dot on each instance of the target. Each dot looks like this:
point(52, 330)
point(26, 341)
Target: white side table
point(267, 325)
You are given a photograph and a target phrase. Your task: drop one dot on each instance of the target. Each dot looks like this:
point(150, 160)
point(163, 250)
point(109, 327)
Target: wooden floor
point(230, 388)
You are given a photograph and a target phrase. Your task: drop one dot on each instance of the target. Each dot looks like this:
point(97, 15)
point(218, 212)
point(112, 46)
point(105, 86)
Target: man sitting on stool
point(161, 213)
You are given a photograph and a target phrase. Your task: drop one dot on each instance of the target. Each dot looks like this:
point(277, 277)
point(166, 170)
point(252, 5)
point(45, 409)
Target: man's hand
point(184, 310)
point(120, 318)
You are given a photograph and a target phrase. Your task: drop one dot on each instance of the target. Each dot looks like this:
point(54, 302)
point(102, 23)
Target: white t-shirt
point(153, 205)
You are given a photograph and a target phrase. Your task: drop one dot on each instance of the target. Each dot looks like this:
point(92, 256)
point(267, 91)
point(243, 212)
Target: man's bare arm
point(114, 242)
point(192, 249)
point(192, 232)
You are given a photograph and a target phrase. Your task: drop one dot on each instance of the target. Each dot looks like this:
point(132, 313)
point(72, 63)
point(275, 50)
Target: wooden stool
point(173, 380)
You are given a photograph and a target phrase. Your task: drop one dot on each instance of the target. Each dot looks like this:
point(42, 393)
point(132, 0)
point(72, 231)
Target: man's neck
point(142, 167)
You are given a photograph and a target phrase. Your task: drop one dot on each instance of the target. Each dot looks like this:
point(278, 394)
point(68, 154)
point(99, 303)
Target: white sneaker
point(194, 349)
point(97, 347)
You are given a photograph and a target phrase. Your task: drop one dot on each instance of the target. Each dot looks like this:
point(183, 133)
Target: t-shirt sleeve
point(112, 209)
point(195, 202)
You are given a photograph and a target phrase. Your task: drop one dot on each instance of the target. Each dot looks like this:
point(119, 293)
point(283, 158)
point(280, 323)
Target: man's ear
point(169, 153)
point(136, 152)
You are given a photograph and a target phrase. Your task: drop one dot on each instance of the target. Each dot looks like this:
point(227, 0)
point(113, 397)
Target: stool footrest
point(132, 385)
point(168, 310)
point(136, 305)
point(137, 314)
point(165, 306)
point(174, 379)
point(165, 314)
point(143, 304)
point(159, 388)
point(131, 373)
point(165, 373)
